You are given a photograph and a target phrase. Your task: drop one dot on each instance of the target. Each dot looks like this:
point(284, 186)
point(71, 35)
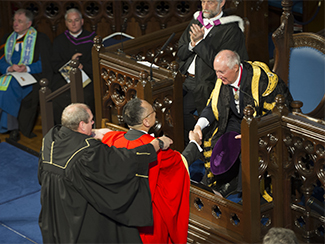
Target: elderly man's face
point(226, 74)
point(89, 125)
point(74, 23)
point(21, 24)
point(211, 8)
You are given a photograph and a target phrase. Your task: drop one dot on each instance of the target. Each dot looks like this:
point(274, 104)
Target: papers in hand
point(65, 72)
point(23, 78)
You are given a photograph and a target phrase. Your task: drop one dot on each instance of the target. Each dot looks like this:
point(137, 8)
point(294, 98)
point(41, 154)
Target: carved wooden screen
point(135, 17)
point(119, 79)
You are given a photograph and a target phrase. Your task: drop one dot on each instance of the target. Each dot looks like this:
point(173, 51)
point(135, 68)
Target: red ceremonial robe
point(169, 184)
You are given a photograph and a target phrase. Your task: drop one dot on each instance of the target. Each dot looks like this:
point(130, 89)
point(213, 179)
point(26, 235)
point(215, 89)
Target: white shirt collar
point(235, 84)
point(75, 35)
point(207, 21)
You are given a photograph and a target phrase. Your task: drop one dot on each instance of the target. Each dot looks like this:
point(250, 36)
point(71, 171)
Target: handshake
point(195, 136)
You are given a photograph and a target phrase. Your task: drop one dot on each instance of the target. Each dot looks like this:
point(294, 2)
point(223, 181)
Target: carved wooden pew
point(275, 148)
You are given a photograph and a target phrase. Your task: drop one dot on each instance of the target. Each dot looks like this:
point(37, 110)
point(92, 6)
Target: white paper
point(23, 78)
point(146, 63)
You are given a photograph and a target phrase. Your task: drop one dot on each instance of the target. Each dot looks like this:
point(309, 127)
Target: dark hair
point(133, 112)
point(29, 15)
point(73, 114)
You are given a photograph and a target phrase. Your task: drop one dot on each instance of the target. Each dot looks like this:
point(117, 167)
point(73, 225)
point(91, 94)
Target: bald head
point(74, 114)
point(226, 65)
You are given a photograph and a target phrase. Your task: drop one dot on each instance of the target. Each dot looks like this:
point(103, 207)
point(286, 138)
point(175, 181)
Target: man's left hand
point(99, 133)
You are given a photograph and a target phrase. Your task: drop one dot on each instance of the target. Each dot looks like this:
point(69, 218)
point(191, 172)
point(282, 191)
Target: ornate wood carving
point(135, 17)
point(290, 155)
point(120, 78)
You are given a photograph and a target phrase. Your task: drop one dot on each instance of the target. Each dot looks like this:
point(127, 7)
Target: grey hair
point(133, 112)
point(29, 15)
point(72, 10)
point(233, 58)
point(73, 114)
point(277, 235)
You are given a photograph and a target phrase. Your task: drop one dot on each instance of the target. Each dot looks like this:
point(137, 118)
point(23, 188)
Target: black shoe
point(31, 135)
point(14, 135)
point(228, 188)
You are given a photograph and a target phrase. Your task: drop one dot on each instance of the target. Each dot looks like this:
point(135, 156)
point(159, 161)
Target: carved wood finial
point(248, 112)
point(98, 43)
point(296, 106)
point(143, 77)
point(280, 107)
point(174, 66)
point(44, 83)
point(74, 63)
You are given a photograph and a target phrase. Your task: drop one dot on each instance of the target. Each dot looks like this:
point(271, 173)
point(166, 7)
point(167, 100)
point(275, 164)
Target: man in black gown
point(92, 193)
point(208, 33)
point(74, 43)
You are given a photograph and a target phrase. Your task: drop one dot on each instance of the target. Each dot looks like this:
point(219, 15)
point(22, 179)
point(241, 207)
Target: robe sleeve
point(172, 194)
point(117, 186)
point(3, 63)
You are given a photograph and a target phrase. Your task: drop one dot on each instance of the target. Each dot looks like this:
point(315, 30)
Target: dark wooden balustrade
point(285, 149)
point(46, 96)
point(119, 78)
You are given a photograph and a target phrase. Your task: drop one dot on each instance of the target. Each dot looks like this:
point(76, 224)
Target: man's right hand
point(17, 68)
point(196, 34)
point(194, 136)
point(197, 129)
point(166, 140)
point(76, 57)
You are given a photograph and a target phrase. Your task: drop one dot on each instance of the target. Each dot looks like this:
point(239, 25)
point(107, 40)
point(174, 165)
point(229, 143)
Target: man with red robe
point(169, 179)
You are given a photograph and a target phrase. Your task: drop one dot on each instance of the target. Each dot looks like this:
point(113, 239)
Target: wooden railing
point(285, 149)
point(46, 96)
point(119, 78)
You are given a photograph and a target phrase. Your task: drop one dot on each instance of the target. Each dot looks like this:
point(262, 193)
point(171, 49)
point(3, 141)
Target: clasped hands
point(196, 34)
point(17, 68)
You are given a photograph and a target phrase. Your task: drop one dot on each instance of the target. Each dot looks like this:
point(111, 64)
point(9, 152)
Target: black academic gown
point(29, 105)
point(92, 193)
point(224, 36)
point(64, 47)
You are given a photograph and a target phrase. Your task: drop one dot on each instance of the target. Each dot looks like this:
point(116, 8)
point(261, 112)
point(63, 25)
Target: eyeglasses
point(153, 110)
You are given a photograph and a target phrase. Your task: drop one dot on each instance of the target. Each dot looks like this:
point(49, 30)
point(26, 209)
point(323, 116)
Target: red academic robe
point(169, 184)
